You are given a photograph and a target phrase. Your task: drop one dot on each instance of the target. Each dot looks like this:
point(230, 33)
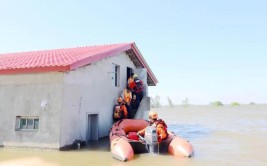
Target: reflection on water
point(220, 136)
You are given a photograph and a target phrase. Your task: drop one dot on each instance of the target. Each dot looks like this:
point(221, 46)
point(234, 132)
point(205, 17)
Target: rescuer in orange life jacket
point(159, 124)
point(137, 88)
point(127, 97)
point(120, 110)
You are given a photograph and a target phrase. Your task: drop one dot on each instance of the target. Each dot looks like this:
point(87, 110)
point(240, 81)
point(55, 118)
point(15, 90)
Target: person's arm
point(125, 94)
point(125, 110)
point(141, 132)
point(142, 84)
point(129, 96)
point(161, 132)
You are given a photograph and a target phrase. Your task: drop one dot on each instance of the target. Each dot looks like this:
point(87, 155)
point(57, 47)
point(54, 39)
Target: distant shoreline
point(225, 105)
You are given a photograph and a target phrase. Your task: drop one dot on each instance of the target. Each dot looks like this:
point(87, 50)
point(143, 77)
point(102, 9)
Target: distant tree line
point(234, 103)
point(216, 103)
point(170, 102)
point(155, 102)
point(186, 102)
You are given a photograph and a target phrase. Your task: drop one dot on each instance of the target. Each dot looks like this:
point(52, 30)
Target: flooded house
point(50, 98)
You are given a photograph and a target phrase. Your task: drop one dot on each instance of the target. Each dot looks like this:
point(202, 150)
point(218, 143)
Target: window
point(27, 123)
point(116, 75)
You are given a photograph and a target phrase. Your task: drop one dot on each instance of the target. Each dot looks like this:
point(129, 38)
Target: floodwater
point(220, 136)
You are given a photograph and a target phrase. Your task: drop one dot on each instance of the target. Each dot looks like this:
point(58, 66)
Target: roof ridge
point(55, 49)
point(125, 43)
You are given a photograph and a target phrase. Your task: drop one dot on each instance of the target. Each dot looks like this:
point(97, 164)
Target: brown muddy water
point(220, 136)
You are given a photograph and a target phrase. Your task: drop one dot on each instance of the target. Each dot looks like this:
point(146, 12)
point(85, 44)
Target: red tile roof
point(66, 59)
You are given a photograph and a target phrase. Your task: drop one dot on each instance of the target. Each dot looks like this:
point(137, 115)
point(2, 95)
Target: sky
point(201, 50)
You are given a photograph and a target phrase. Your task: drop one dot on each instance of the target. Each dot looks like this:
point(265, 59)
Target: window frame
point(116, 75)
point(22, 123)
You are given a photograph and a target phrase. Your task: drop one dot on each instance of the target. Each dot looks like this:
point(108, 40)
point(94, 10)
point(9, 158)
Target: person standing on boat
point(159, 124)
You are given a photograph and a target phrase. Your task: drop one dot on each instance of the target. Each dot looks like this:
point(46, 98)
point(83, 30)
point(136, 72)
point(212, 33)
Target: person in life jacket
point(127, 97)
point(137, 87)
point(159, 124)
point(131, 83)
point(120, 110)
point(130, 80)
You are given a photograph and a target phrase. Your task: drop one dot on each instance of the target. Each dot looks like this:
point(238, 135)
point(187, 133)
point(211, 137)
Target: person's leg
point(138, 99)
point(129, 111)
point(141, 95)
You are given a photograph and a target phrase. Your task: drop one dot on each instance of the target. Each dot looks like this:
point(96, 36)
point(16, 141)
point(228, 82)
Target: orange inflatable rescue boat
point(124, 142)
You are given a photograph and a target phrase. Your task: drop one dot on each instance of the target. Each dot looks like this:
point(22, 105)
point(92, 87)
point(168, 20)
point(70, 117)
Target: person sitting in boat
point(120, 110)
point(159, 124)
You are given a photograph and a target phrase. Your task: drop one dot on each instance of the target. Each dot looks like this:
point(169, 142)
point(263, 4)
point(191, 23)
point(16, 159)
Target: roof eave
point(139, 56)
point(35, 70)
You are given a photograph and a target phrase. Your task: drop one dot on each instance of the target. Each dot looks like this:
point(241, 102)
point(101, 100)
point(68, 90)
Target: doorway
point(92, 127)
point(129, 72)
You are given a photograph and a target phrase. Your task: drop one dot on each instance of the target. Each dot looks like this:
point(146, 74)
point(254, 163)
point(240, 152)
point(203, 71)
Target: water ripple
point(189, 131)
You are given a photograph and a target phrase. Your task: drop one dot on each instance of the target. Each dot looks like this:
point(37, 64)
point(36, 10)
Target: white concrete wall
point(89, 90)
point(70, 95)
point(21, 95)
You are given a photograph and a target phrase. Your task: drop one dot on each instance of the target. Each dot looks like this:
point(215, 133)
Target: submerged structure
point(51, 98)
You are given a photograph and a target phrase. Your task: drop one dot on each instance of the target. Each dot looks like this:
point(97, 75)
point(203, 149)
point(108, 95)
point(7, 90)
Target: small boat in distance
point(124, 142)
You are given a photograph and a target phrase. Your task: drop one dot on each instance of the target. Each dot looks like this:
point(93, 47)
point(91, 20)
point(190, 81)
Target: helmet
point(119, 100)
point(152, 115)
point(135, 76)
